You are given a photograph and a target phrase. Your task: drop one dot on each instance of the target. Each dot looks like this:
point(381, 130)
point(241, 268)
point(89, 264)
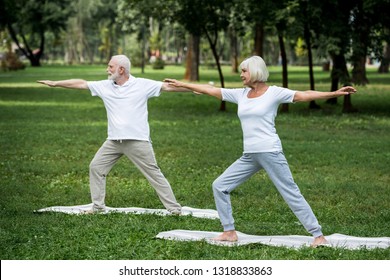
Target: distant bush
point(11, 62)
point(158, 64)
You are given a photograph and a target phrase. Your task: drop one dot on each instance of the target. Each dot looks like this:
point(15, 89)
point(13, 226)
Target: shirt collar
point(127, 83)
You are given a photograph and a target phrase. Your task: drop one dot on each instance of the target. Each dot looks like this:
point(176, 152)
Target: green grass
point(341, 163)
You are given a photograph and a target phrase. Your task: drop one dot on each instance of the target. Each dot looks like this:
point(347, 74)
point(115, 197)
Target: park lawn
point(341, 163)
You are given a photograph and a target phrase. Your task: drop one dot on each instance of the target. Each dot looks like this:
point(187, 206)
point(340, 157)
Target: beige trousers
point(142, 155)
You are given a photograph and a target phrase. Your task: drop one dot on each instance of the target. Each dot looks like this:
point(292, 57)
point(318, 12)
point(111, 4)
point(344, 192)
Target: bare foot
point(319, 241)
point(229, 235)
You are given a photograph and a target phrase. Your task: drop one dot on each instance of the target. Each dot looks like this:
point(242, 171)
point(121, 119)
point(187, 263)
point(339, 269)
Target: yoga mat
point(80, 209)
point(335, 240)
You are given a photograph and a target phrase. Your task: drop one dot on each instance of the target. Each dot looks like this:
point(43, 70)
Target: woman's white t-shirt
point(126, 106)
point(257, 116)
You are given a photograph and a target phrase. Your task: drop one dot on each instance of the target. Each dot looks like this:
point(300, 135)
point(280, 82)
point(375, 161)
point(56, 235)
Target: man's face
point(113, 70)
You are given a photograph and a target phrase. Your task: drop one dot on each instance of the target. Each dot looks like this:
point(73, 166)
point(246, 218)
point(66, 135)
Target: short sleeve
point(232, 95)
point(284, 95)
point(151, 87)
point(96, 88)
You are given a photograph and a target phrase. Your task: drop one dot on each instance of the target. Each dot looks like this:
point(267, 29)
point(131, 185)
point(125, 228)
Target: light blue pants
point(276, 166)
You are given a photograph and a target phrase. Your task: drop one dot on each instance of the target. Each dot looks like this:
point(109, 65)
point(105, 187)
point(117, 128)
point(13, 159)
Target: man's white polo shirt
point(126, 106)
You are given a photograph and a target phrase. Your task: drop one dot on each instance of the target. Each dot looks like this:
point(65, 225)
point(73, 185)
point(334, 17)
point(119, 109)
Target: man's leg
point(142, 155)
point(100, 166)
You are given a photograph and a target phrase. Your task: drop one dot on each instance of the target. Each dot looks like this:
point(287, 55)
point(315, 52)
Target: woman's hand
point(346, 90)
point(173, 82)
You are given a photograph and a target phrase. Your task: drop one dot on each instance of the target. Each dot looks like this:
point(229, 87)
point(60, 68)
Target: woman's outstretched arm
point(197, 88)
point(310, 95)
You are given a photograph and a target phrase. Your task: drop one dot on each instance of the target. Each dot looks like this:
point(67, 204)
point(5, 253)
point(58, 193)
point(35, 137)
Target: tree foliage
point(343, 32)
point(207, 18)
point(28, 20)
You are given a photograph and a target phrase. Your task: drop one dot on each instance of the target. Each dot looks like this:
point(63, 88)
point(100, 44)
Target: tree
point(283, 19)
point(137, 16)
point(81, 37)
point(334, 39)
point(369, 20)
point(258, 14)
point(385, 60)
point(235, 30)
point(382, 28)
point(27, 21)
point(102, 15)
point(192, 58)
point(308, 16)
point(361, 24)
point(206, 17)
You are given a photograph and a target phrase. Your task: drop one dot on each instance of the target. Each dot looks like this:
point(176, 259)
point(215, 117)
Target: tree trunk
point(306, 33)
point(284, 107)
point(213, 46)
point(359, 76)
point(34, 60)
point(234, 50)
point(385, 62)
point(192, 59)
point(339, 74)
point(34, 57)
point(360, 39)
point(143, 48)
point(347, 105)
point(259, 38)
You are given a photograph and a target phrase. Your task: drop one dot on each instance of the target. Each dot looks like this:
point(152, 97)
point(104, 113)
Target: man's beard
point(113, 76)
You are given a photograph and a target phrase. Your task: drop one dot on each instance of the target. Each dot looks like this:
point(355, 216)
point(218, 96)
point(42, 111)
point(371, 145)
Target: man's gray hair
point(123, 61)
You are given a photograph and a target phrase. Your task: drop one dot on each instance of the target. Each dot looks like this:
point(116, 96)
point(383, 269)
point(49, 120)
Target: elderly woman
point(257, 108)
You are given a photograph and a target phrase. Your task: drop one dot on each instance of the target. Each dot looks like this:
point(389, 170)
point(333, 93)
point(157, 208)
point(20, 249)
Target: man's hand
point(47, 83)
point(72, 83)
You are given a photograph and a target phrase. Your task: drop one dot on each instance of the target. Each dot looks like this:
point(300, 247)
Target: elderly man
point(125, 99)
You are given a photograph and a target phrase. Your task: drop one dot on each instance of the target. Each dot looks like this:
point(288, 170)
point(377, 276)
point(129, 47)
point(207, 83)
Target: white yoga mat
point(292, 241)
point(80, 209)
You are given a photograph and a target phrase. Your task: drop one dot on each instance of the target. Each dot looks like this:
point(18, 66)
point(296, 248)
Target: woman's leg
point(232, 177)
point(276, 166)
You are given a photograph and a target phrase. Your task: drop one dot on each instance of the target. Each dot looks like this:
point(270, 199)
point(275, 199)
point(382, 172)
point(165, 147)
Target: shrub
point(11, 62)
point(159, 64)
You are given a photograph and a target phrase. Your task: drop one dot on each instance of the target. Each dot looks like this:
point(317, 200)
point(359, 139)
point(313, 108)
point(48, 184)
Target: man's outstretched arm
point(72, 83)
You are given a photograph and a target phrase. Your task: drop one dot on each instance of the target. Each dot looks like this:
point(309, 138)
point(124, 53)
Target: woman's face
point(245, 76)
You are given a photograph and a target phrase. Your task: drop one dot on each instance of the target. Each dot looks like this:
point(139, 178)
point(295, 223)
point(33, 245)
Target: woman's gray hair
point(123, 61)
point(257, 68)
